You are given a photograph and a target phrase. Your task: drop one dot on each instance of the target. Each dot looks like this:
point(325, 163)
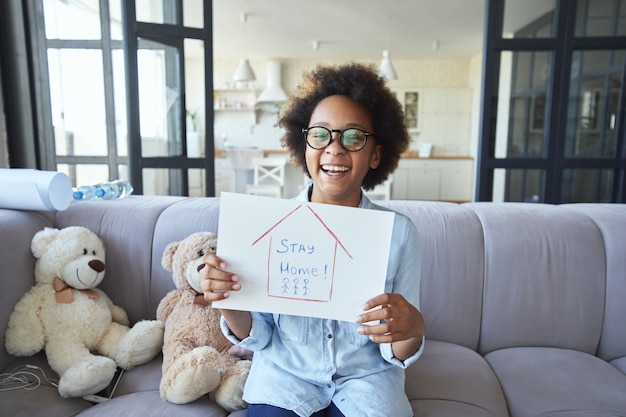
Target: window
point(114, 72)
point(552, 125)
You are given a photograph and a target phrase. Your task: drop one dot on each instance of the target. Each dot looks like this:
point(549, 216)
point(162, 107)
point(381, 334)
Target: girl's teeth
point(334, 168)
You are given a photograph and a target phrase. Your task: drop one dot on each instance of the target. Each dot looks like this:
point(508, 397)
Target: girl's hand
point(403, 324)
point(216, 281)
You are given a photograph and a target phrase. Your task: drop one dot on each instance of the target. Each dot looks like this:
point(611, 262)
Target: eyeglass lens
point(352, 139)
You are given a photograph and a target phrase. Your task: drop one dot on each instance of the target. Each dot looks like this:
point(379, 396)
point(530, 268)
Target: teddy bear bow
point(64, 292)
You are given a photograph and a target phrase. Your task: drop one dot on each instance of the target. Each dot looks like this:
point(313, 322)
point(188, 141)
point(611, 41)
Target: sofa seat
point(150, 404)
point(561, 382)
point(453, 380)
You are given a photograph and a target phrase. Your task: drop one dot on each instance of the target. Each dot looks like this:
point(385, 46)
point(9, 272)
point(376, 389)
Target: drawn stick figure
point(285, 286)
point(306, 287)
point(295, 286)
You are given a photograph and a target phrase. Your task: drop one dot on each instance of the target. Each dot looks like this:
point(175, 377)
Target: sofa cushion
point(611, 220)
point(452, 380)
point(146, 377)
point(558, 382)
point(620, 363)
point(544, 277)
point(43, 401)
point(126, 227)
point(17, 229)
point(150, 404)
point(176, 223)
point(452, 269)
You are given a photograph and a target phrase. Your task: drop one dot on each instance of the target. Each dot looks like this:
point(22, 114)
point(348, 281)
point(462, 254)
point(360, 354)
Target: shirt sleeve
point(404, 276)
point(260, 333)
point(387, 354)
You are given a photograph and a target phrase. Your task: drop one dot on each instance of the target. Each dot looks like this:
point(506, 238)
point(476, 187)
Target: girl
point(346, 129)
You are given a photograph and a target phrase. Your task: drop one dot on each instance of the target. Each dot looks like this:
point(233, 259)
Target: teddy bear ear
point(42, 240)
point(168, 255)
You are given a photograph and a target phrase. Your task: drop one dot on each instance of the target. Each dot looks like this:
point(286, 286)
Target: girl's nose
point(334, 147)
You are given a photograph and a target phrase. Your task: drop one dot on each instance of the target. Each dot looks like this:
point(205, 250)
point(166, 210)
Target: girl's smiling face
point(337, 173)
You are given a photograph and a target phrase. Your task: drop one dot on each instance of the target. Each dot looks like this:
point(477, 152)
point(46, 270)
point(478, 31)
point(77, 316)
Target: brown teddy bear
point(196, 358)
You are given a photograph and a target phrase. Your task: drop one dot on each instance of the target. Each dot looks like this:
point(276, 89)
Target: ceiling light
point(244, 71)
point(386, 68)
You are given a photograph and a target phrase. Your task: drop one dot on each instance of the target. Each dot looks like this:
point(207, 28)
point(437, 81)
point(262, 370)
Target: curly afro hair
point(362, 84)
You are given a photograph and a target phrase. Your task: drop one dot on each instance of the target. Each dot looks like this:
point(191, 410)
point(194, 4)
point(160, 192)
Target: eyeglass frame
point(305, 131)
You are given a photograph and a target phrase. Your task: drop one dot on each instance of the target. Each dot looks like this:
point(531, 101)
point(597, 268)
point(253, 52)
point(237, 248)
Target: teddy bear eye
point(200, 253)
point(93, 252)
point(84, 251)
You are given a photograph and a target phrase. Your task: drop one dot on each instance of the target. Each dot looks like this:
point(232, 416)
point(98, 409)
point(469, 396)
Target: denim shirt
point(304, 363)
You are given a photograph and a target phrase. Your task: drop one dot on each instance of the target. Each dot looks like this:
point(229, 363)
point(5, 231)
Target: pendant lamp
point(386, 68)
point(244, 71)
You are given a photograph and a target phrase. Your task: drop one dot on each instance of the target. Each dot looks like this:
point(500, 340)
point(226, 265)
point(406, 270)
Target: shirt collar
point(304, 196)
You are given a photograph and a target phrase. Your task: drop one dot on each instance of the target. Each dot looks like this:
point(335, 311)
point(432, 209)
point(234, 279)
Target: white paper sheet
point(304, 259)
point(31, 189)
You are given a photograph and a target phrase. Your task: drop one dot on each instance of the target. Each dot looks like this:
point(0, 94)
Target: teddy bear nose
point(96, 265)
point(200, 267)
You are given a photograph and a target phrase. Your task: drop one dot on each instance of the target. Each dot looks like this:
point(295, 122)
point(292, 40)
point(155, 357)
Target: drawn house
point(301, 267)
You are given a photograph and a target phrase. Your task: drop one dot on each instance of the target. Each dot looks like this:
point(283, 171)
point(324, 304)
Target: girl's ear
point(376, 156)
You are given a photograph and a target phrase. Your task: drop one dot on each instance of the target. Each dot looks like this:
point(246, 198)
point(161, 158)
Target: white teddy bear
point(65, 314)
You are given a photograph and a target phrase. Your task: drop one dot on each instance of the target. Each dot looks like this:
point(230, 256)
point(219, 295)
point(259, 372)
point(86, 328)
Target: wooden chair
point(269, 177)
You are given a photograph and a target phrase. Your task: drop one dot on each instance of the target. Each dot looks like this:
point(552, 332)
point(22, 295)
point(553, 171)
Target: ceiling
point(358, 29)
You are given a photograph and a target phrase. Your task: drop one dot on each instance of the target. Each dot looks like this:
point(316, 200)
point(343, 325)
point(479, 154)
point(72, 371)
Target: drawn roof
point(317, 217)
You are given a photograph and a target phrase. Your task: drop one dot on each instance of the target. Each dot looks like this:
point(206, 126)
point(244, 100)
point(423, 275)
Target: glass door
point(552, 126)
point(169, 64)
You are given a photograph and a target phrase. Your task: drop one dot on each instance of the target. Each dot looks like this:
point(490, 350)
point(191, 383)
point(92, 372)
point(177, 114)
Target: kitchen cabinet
point(433, 179)
point(411, 105)
point(446, 119)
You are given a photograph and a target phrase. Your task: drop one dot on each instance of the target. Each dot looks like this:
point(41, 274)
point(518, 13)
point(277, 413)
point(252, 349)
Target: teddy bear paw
point(142, 343)
point(191, 384)
point(229, 395)
point(192, 375)
point(87, 377)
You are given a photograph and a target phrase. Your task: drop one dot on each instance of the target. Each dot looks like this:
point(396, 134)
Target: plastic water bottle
point(114, 189)
point(84, 192)
point(103, 191)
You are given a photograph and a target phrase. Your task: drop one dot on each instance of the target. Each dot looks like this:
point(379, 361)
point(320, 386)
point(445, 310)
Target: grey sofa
point(525, 304)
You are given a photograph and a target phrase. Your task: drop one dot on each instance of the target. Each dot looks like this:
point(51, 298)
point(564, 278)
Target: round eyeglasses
point(352, 139)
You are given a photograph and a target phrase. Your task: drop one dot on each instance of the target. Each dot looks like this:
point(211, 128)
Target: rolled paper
point(32, 189)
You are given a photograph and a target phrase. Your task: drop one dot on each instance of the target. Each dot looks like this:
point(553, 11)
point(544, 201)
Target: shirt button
point(330, 336)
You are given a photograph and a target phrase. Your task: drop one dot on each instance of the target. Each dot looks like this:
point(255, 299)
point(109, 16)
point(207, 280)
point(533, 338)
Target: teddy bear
point(197, 357)
point(65, 314)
